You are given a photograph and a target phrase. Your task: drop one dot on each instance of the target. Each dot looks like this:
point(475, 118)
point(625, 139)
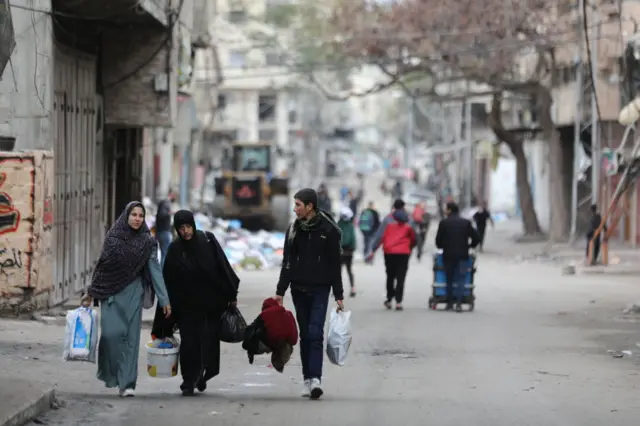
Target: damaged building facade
point(79, 90)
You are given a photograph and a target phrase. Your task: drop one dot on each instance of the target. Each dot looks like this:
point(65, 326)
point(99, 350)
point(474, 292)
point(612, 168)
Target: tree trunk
point(530, 223)
point(560, 219)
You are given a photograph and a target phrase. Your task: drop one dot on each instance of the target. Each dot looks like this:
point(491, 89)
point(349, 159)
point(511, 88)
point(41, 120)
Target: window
point(237, 59)
point(238, 16)
point(267, 135)
point(273, 59)
point(222, 101)
point(267, 107)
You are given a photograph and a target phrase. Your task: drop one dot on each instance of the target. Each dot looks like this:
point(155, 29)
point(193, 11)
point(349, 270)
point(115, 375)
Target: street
point(533, 353)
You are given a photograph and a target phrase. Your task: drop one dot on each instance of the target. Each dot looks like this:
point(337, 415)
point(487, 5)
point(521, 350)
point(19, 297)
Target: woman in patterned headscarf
point(126, 279)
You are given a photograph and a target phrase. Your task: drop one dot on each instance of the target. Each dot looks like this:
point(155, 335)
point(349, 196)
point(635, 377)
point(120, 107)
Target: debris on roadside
point(245, 250)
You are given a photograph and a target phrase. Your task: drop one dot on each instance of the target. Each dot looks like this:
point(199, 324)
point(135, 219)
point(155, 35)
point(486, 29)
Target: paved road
point(533, 353)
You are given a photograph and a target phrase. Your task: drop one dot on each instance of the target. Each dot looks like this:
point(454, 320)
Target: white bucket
point(162, 363)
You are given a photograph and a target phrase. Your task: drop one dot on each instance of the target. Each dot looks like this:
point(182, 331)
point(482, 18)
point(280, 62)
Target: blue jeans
point(164, 239)
point(368, 239)
point(456, 276)
point(311, 312)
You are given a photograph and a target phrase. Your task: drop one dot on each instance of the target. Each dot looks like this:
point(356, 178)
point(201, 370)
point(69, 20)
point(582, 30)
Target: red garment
point(418, 214)
point(279, 324)
point(398, 238)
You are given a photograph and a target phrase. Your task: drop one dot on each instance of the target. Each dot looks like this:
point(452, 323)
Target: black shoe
point(188, 392)
point(458, 308)
point(449, 308)
point(387, 304)
point(202, 385)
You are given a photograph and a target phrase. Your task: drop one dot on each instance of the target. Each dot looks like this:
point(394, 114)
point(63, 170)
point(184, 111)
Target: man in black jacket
point(311, 266)
point(453, 237)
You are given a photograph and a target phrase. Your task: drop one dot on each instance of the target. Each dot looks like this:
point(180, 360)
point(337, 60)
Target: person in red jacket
point(398, 238)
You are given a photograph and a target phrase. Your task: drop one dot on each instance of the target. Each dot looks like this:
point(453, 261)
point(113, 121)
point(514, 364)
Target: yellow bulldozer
point(249, 191)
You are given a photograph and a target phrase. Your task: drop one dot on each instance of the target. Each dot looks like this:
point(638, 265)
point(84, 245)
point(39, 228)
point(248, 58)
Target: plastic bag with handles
point(339, 337)
point(81, 335)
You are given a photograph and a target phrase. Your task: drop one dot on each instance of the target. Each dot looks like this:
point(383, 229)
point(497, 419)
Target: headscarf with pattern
point(125, 253)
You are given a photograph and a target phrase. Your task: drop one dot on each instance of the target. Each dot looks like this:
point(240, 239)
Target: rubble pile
point(245, 250)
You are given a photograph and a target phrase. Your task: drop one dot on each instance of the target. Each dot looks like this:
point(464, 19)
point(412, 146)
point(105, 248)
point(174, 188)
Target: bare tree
point(507, 45)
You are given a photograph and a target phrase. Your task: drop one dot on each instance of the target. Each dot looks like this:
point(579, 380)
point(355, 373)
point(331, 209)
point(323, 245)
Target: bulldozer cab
point(249, 158)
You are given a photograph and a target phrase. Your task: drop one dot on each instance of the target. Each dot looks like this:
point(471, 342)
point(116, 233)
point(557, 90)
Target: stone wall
point(134, 101)
point(26, 230)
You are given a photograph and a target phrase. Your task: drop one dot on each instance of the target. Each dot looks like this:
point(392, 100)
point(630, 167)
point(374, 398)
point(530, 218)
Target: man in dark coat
point(311, 266)
point(594, 224)
point(456, 235)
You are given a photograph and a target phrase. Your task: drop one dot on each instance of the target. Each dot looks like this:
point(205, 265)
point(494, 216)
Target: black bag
point(232, 326)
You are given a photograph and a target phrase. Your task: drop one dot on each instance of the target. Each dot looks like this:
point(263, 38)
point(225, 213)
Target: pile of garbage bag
point(245, 250)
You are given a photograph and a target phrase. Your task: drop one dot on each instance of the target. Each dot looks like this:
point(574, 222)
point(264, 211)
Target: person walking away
point(201, 285)
point(163, 225)
point(348, 244)
point(396, 192)
point(127, 278)
point(398, 238)
point(421, 219)
point(368, 223)
point(311, 267)
point(594, 224)
point(324, 200)
point(455, 236)
point(354, 201)
point(481, 217)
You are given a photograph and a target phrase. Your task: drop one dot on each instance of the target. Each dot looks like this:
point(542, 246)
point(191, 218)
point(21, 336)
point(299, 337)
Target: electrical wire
point(163, 44)
point(292, 67)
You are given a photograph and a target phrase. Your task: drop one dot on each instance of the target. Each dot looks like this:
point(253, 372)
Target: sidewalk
point(31, 366)
point(505, 240)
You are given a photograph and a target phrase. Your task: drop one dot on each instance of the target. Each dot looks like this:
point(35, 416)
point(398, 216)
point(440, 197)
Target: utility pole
point(595, 129)
point(585, 90)
point(411, 105)
point(469, 150)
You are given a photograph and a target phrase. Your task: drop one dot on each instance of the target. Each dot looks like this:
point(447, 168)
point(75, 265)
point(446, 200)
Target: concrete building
point(83, 82)
point(258, 99)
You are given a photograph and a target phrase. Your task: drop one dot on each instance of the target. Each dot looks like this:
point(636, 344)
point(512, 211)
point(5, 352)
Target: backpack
point(365, 223)
point(418, 215)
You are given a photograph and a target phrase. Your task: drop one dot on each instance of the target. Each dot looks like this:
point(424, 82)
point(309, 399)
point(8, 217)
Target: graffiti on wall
point(10, 261)
point(9, 214)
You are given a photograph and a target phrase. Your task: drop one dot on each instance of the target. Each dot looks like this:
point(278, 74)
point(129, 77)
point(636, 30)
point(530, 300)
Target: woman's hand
point(167, 311)
point(86, 301)
point(233, 304)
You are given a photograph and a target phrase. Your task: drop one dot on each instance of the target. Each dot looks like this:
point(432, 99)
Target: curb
point(30, 410)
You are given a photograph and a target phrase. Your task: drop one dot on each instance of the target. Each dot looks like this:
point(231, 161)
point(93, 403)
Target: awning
point(7, 36)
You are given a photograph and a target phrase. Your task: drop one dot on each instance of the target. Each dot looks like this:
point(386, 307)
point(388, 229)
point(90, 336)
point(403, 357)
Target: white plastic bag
point(81, 335)
point(339, 337)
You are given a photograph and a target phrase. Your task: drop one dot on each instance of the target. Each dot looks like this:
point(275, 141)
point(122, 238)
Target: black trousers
point(396, 266)
point(596, 248)
point(199, 347)
point(346, 259)
point(481, 233)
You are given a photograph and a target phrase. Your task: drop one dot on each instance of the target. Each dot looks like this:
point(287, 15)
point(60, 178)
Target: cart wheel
point(471, 306)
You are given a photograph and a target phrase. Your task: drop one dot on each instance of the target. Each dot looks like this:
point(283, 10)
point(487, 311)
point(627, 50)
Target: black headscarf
point(124, 253)
point(202, 259)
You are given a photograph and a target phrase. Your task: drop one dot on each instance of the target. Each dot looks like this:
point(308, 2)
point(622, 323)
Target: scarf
point(125, 253)
point(310, 225)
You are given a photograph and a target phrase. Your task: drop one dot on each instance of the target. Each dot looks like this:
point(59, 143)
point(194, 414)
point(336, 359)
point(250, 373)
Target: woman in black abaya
point(201, 286)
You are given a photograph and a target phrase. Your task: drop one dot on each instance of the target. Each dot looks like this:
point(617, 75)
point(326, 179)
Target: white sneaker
point(128, 393)
point(306, 388)
point(316, 390)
